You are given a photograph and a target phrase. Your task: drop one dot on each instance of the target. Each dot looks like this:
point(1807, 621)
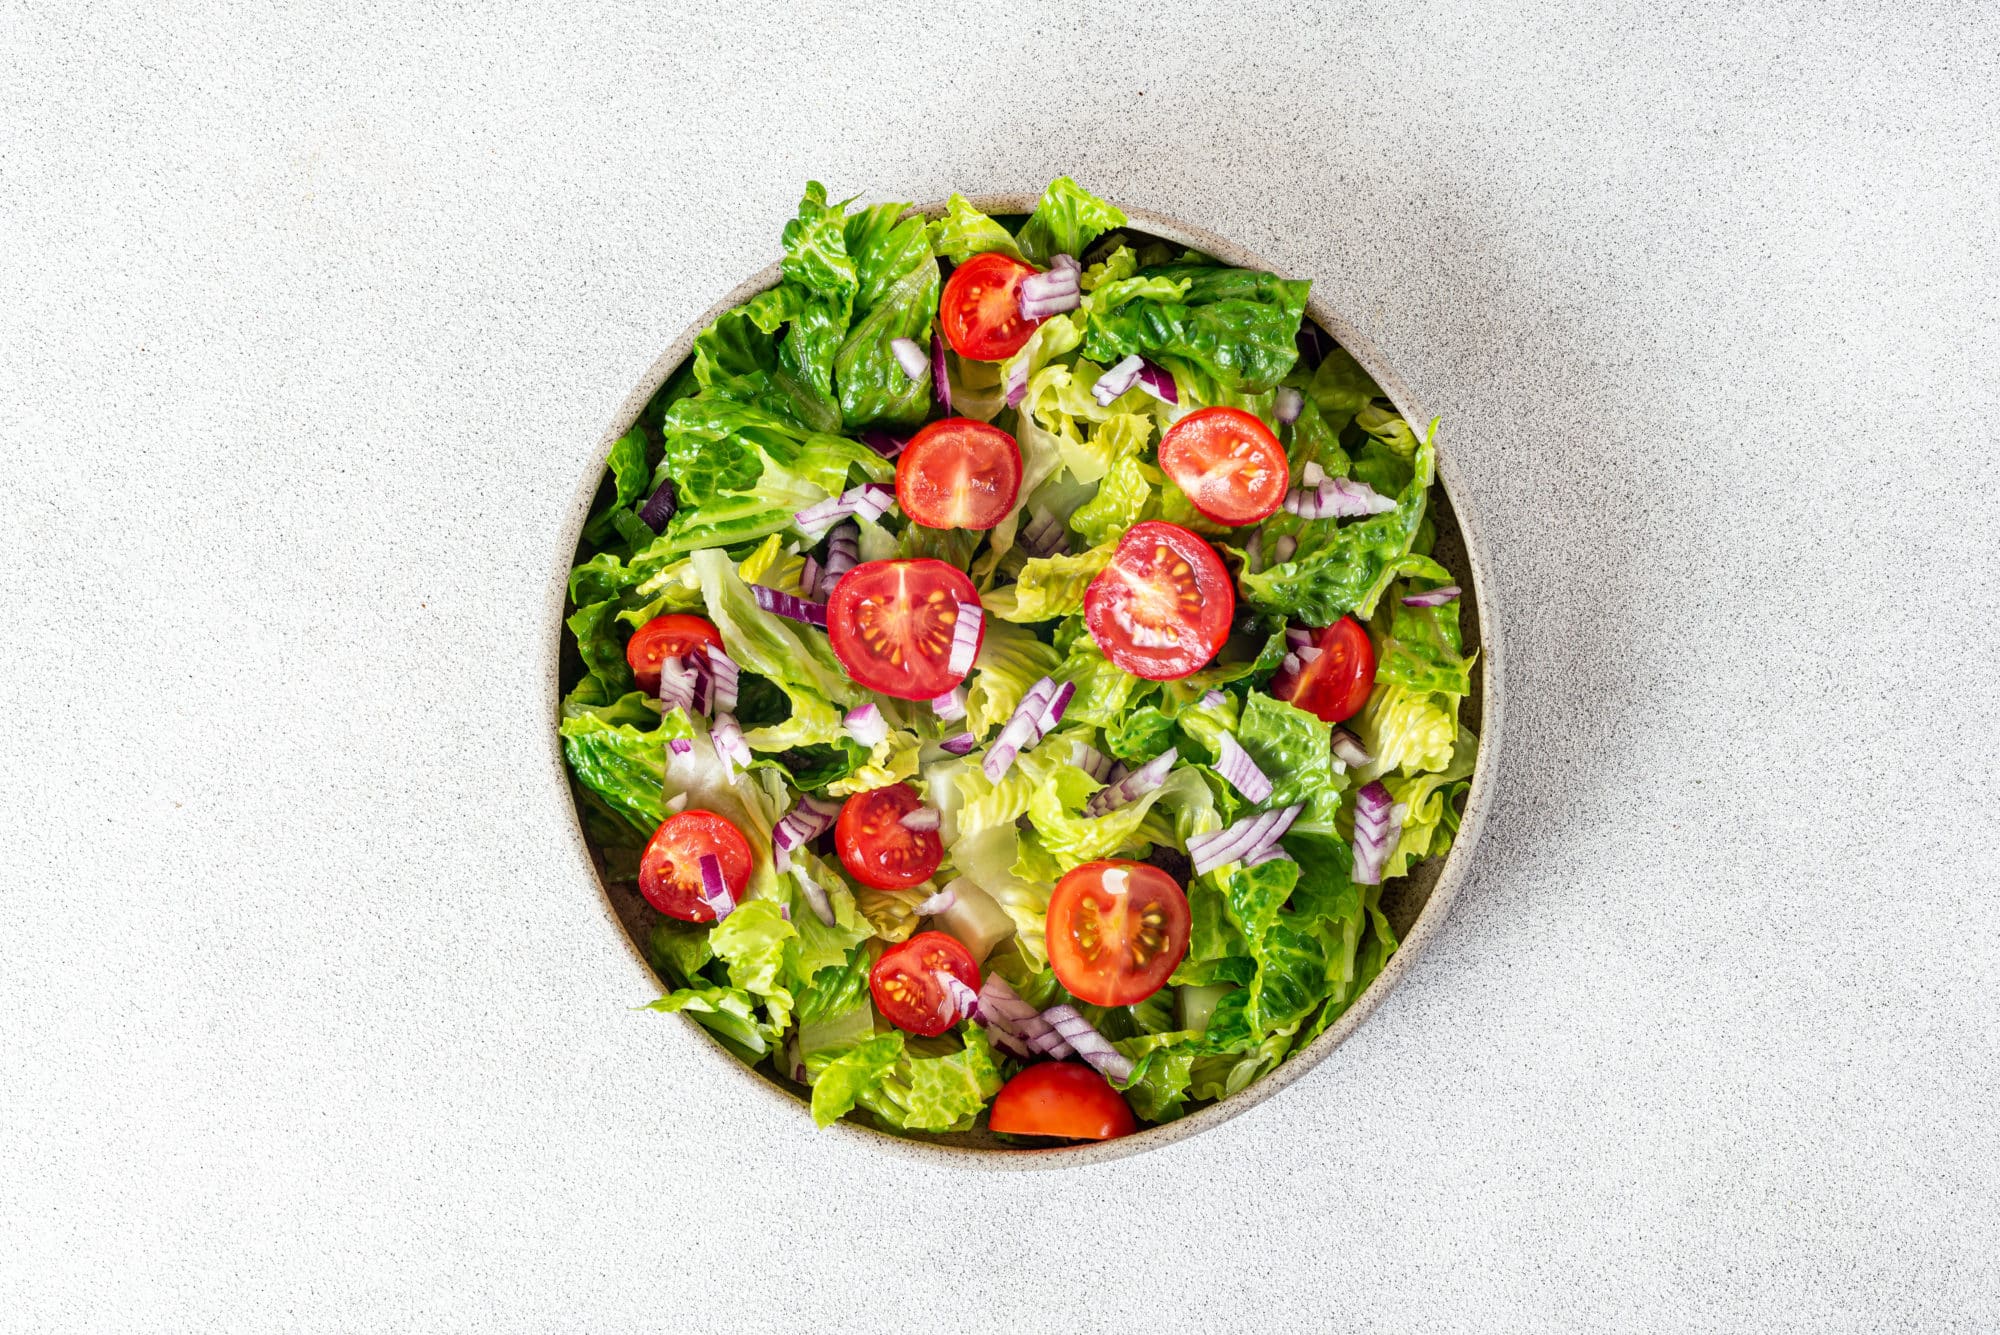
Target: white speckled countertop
point(309, 323)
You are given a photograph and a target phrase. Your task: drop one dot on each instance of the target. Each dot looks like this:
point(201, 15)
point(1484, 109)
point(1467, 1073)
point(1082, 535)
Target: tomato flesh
point(670, 868)
point(669, 636)
point(877, 847)
point(1337, 682)
point(1162, 607)
point(1065, 1099)
point(1228, 463)
point(1116, 931)
point(959, 473)
point(980, 308)
point(904, 982)
point(891, 625)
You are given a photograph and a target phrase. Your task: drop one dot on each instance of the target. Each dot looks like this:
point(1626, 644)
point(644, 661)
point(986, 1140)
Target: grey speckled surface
point(308, 323)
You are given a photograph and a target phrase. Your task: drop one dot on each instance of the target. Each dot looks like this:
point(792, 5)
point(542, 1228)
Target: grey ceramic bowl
point(1416, 905)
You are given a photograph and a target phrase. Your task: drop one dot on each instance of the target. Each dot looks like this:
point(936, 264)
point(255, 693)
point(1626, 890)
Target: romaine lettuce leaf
point(727, 1012)
point(1420, 646)
point(752, 940)
point(964, 231)
point(1237, 326)
point(679, 950)
point(1406, 730)
point(854, 1073)
point(942, 1093)
point(1010, 660)
point(1066, 221)
point(1128, 495)
point(783, 651)
point(1049, 586)
point(621, 764)
point(1295, 751)
point(1104, 691)
point(895, 296)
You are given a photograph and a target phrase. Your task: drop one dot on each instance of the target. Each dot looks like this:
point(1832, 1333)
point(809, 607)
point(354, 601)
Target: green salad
point(1009, 660)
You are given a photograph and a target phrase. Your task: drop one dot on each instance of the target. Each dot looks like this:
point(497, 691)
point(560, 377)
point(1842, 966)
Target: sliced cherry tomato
point(670, 636)
point(1229, 464)
point(906, 987)
point(670, 870)
point(980, 309)
point(891, 624)
point(958, 473)
point(1337, 683)
point(877, 847)
point(1162, 607)
point(1116, 930)
point(1065, 1099)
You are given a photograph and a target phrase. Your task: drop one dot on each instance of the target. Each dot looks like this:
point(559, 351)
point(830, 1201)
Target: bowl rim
point(1429, 920)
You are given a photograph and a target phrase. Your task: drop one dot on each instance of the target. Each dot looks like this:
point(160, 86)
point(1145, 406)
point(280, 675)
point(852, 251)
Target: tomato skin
point(1115, 939)
point(905, 987)
point(980, 307)
point(959, 473)
point(670, 868)
point(1227, 463)
point(1336, 684)
point(1066, 1099)
point(875, 846)
point(1166, 585)
point(669, 636)
point(880, 606)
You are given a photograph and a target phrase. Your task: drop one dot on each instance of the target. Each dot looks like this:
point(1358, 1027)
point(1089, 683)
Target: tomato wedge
point(891, 625)
point(1117, 929)
point(1162, 607)
point(1338, 680)
point(1229, 464)
point(877, 847)
point(670, 868)
point(905, 982)
point(1065, 1099)
point(958, 473)
point(670, 636)
point(980, 309)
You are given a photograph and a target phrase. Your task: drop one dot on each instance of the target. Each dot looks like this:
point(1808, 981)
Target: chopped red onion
point(950, 707)
point(939, 902)
point(1282, 549)
point(1133, 786)
point(1297, 638)
point(865, 724)
point(882, 442)
point(1090, 1045)
point(1307, 653)
point(1213, 700)
point(660, 506)
point(1052, 715)
point(1090, 760)
point(1116, 380)
point(1431, 597)
point(1378, 823)
point(1288, 666)
point(965, 639)
point(677, 684)
point(822, 906)
point(960, 744)
point(1350, 750)
point(1009, 1020)
point(715, 890)
point(1019, 732)
point(789, 606)
point(1049, 294)
point(962, 1001)
point(872, 500)
point(724, 677)
point(678, 802)
point(1236, 765)
point(1246, 838)
point(940, 377)
point(843, 553)
point(1050, 283)
point(680, 746)
point(1288, 404)
point(727, 738)
point(807, 821)
point(921, 819)
point(1159, 382)
point(1017, 382)
point(1337, 498)
point(809, 578)
point(1043, 534)
point(910, 357)
point(1312, 343)
point(1312, 474)
point(1270, 853)
point(1065, 261)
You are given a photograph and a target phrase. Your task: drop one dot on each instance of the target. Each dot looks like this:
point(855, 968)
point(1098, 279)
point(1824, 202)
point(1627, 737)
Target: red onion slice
point(678, 802)
point(865, 724)
point(677, 683)
point(715, 890)
point(660, 506)
point(1312, 474)
point(1432, 597)
point(789, 606)
point(1135, 785)
point(1349, 749)
point(950, 707)
point(872, 500)
point(1003, 1013)
point(1282, 549)
point(822, 906)
point(1065, 261)
point(1213, 699)
point(680, 746)
point(1245, 838)
point(724, 676)
point(965, 639)
point(727, 738)
point(1052, 715)
point(843, 553)
point(939, 902)
point(1269, 853)
point(1017, 382)
point(1377, 825)
point(921, 819)
point(1090, 1045)
point(960, 744)
point(910, 357)
point(1050, 283)
point(1287, 404)
point(1337, 498)
point(1043, 534)
point(809, 577)
point(1235, 765)
point(1298, 639)
point(961, 1002)
point(1090, 760)
point(821, 515)
point(882, 442)
point(1032, 309)
point(1159, 382)
point(1019, 732)
point(1116, 380)
point(940, 377)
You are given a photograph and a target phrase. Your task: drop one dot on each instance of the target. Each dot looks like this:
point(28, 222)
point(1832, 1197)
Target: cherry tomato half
point(1117, 929)
point(1229, 464)
point(891, 625)
point(1337, 682)
point(670, 636)
point(670, 869)
point(1065, 1099)
point(958, 473)
point(1162, 607)
point(877, 847)
point(980, 309)
point(905, 982)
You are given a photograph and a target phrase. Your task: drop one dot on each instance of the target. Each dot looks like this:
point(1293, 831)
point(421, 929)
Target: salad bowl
point(1416, 905)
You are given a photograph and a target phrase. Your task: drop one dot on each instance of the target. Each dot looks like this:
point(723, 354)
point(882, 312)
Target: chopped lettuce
point(1066, 221)
point(1295, 751)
